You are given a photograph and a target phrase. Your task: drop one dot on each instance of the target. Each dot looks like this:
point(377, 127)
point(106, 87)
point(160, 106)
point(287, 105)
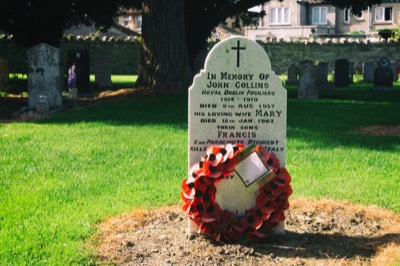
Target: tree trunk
point(165, 62)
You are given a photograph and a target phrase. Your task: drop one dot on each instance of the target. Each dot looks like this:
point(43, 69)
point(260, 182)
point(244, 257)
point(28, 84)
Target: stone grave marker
point(81, 60)
point(341, 73)
point(395, 70)
point(44, 76)
point(383, 75)
point(237, 98)
point(102, 70)
point(293, 75)
point(308, 81)
point(369, 69)
point(322, 76)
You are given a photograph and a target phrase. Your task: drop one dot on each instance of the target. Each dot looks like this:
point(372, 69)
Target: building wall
point(283, 54)
point(300, 22)
point(367, 23)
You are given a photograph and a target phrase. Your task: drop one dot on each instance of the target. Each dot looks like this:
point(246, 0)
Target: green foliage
point(34, 22)
point(62, 175)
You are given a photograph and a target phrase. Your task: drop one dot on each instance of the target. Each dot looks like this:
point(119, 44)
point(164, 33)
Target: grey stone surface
point(369, 69)
point(383, 78)
point(103, 70)
point(237, 98)
point(342, 73)
point(308, 81)
point(44, 75)
point(322, 76)
point(395, 70)
point(293, 75)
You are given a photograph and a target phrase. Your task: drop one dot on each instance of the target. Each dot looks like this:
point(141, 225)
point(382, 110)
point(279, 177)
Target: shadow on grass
point(321, 123)
point(324, 246)
point(136, 110)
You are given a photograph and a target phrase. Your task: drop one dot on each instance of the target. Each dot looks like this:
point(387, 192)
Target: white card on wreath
point(251, 169)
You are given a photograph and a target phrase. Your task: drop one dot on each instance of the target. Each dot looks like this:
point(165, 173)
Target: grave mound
point(318, 232)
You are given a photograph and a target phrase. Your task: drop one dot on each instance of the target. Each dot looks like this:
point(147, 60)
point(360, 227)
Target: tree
point(43, 21)
point(175, 31)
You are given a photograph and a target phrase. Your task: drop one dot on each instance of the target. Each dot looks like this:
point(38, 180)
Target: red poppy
point(273, 162)
point(188, 190)
point(251, 219)
point(198, 193)
point(212, 212)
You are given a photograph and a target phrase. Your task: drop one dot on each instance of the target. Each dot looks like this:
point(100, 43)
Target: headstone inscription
point(81, 60)
point(237, 98)
point(308, 81)
point(341, 73)
point(369, 69)
point(383, 75)
point(102, 70)
point(293, 75)
point(44, 76)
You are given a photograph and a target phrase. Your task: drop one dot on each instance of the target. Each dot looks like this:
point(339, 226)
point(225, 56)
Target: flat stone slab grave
point(237, 98)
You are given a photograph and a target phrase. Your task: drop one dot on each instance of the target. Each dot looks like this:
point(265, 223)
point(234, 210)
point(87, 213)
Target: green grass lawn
point(62, 175)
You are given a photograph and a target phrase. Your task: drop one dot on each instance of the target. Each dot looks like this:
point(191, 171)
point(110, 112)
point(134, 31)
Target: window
point(279, 15)
point(383, 14)
point(346, 16)
point(127, 19)
point(319, 15)
point(138, 22)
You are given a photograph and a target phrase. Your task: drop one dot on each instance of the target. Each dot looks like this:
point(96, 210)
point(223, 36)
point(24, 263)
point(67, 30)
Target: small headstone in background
point(42, 105)
point(81, 60)
point(293, 75)
point(369, 69)
point(4, 73)
point(395, 69)
point(44, 76)
point(383, 75)
point(237, 98)
point(322, 76)
point(308, 81)
point(341, 73)
point(102, 70)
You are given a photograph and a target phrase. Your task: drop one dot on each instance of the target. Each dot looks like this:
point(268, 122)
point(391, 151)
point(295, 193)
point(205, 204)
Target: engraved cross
point(238, 48)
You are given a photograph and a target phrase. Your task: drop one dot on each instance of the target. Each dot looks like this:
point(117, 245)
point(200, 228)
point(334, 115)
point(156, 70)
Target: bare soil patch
point(380, 130)
point(318, 232)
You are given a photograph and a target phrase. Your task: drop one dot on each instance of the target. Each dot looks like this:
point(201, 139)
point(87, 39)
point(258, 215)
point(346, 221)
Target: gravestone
point(395, 70)
point(308, 81)
point(102, 70)
point(341, 73)
point(81, 60)
point(4, 73)
point(369, 69)
point(293, 75)
point(383, 75)
point(237, 98)
point(322, 76)
point(44, 76)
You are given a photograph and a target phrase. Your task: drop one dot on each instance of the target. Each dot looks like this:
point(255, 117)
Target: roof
point(114, 31)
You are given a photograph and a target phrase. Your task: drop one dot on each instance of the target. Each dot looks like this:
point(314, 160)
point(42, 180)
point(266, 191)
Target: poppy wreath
point(198, 193)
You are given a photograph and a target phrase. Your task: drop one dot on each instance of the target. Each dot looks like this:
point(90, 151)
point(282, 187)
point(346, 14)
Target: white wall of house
point(290, 19)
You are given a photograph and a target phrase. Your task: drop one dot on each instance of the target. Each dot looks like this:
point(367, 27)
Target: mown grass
point(62, 175)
